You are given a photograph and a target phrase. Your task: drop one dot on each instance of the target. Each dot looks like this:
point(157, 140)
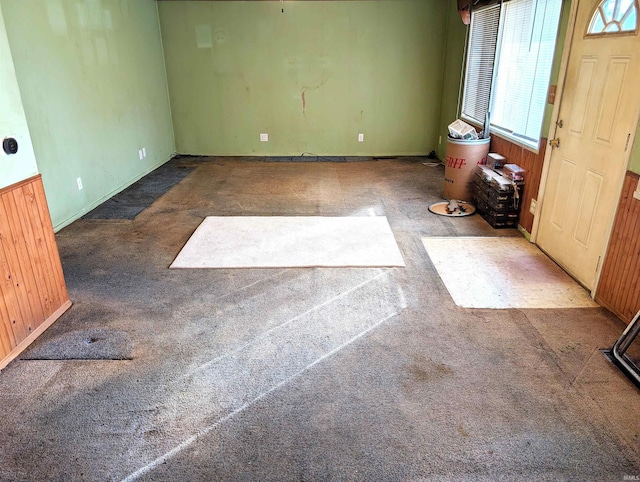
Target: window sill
point(506, 136)
point(516, 140)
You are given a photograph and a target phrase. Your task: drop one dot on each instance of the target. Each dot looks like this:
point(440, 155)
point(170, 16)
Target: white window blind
point(523, 57)
point(481, 52)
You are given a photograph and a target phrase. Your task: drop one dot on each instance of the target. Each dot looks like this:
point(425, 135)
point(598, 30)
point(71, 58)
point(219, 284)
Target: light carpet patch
point(503, 273)
point(290, 242)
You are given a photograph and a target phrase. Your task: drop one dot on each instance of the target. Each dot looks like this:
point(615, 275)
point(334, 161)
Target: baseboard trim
point(35, 334)
point(95, 204)
point(526, 233)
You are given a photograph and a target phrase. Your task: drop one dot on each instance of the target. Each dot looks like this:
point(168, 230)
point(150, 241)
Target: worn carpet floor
point(141, 194)
point(306, 373)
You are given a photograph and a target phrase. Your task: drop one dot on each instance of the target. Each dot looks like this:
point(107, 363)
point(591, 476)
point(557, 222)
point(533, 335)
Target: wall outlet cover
point(79, 182)
point(360, 137)
point(140, 154)
point(264, 137)
point(144, 152)
point(532, 206)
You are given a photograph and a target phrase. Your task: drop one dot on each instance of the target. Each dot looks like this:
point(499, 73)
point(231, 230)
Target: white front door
point(597, 119)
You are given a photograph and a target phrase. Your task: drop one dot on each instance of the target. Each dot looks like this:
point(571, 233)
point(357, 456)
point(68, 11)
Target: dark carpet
point(139, 196)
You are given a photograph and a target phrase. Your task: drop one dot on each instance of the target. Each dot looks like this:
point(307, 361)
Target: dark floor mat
point(141, 194)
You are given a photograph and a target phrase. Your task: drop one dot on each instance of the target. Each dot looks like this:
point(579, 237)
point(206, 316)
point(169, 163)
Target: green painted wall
point(237, 69)
point(13, 122)
point(93, 84)
point(452, 73)
point(557, 61)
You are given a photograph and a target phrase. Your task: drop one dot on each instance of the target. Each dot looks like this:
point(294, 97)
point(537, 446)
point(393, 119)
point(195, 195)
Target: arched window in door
point(614, 17)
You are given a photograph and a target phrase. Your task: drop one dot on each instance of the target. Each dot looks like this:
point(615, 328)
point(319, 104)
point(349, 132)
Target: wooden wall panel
point(34, 293)
point(23, 273)
point(532, 163)
point(14, 295)
point(619, 286)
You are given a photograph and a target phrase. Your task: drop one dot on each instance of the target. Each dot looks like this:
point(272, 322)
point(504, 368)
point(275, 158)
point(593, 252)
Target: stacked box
point(495, 160)
point(497, 199)
point(513, 172)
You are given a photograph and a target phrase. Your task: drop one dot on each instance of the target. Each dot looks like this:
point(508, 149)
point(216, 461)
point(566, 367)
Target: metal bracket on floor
point(617, 353)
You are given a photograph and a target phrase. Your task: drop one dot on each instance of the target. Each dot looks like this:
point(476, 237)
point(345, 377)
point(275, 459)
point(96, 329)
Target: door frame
point(562, 76)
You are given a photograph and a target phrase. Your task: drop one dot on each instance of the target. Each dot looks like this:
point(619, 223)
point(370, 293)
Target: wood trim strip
point(35, 334)
point(18, 184)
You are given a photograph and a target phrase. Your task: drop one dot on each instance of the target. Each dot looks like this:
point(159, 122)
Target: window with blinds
point(509, 62)
point(483, 39)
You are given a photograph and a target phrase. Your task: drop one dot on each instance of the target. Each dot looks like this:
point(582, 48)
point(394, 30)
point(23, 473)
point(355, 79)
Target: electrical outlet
point(264, 137)
point(360, 137)
point(144, 152)
point(140, 154)
point(440, 140)
point(532, 206)
point(79, 182)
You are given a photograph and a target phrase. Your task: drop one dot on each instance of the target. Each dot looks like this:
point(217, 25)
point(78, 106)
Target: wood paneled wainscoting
point(32, 287)
point(532, 163)
point(619, 286)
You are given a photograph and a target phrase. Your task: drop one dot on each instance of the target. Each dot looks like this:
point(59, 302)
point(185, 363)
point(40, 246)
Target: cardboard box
point(495, 160)
point(513, 172)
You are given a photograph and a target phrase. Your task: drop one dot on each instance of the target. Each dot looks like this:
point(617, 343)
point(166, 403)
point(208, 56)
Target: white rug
point(290, 242)
point(503, 272)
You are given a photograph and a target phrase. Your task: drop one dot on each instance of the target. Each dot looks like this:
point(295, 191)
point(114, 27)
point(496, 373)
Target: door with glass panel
point(597, 120)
